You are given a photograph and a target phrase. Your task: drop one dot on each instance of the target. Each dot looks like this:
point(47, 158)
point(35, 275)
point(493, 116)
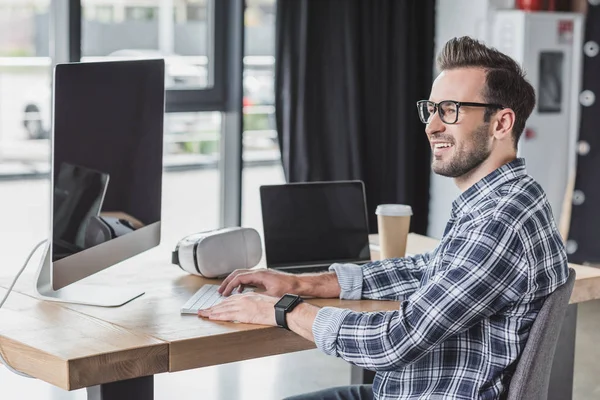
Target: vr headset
point(219, 252)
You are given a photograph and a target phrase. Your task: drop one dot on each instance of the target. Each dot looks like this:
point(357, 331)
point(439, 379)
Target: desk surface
point(74, 346)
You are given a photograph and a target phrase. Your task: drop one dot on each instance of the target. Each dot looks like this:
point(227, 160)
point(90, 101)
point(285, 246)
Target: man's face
point(469, 139)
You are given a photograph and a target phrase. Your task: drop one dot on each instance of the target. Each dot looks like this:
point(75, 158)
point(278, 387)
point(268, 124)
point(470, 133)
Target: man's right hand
point(277, 283)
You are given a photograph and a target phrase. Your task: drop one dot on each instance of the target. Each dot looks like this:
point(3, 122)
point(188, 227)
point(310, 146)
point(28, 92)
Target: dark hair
point(505, 79)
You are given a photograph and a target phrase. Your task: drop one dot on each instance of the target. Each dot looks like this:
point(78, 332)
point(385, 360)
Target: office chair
point(532, 375)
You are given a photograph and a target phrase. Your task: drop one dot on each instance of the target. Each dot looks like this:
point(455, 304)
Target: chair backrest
point(532, 375)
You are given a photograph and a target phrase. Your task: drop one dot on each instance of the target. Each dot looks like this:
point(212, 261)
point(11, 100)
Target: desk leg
point(561, 376)
point(360, 376)
point(137, 388)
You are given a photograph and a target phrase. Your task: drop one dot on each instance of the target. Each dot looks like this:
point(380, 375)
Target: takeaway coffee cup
point(393, 221)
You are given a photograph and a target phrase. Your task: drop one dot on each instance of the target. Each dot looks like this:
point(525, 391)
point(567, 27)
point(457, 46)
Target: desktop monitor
point(107, 154)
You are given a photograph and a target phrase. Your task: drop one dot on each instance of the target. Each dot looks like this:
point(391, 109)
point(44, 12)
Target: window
point(23, 29)
point(156, 29)
point(191, 186)
point(104, 14)
point(196, 12)
point(261, 154)
point(140, 13)
point(25, 93)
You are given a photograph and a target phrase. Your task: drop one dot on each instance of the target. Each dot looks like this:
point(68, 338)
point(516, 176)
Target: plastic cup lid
point(394, 210)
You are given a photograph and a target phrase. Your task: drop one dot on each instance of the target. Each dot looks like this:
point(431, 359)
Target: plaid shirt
point(466, 307)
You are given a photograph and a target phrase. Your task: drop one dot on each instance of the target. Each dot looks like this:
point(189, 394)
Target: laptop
point(309, 226)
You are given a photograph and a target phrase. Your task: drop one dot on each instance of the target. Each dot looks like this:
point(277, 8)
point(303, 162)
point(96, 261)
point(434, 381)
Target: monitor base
point(91, 295)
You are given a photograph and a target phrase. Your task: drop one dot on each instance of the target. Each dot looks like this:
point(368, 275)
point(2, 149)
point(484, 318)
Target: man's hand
point(275, 283)
point(249, 308)
point(254, 308)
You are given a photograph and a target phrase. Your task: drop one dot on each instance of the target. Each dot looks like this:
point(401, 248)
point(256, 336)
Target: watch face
point(286, 301)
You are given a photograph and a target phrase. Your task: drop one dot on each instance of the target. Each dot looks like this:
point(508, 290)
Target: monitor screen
point(315, 223)
point(107, 152)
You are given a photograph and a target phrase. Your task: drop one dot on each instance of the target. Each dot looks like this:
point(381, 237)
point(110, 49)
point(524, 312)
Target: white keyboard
point(207, 296)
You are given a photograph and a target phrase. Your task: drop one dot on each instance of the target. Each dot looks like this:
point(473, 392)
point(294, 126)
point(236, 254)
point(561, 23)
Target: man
point(466, 307)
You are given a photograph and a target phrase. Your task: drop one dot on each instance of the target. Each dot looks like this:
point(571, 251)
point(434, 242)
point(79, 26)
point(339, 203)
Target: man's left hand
point(249, 308)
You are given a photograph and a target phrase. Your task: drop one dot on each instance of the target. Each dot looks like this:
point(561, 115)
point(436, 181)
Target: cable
point(2, 360)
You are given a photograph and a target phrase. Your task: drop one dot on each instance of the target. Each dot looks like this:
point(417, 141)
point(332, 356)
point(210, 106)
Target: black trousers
point(354, 392)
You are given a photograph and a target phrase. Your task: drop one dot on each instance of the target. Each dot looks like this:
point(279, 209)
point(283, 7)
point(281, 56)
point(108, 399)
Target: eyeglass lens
point(447, 110)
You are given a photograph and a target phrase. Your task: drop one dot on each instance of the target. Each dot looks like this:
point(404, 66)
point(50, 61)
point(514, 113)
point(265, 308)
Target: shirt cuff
point(326, 327)
point(350, 278)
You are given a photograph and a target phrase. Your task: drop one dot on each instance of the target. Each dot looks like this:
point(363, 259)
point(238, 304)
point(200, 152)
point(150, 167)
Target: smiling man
point(467, 306)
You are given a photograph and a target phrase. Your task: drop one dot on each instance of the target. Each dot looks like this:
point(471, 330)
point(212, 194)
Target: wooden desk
point(75, 346)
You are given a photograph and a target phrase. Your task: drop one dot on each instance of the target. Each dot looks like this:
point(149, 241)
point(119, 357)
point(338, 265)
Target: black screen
point(314, 223)
point(285, 302)
point(107, 160)
point(550, 83)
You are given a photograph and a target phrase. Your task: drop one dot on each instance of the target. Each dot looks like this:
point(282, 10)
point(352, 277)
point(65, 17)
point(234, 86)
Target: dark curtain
point(348, 75)
point(584, 232)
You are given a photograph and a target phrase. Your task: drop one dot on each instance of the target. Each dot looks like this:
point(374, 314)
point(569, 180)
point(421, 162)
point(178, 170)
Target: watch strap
point(281, 313)
point(280, 318)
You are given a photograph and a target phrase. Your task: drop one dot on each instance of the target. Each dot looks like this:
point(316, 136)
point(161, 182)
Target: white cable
point(2, 360)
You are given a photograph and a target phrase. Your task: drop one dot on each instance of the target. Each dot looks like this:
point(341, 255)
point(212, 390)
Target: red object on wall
point(536, 5)
point(529, 5)
point(529, 133)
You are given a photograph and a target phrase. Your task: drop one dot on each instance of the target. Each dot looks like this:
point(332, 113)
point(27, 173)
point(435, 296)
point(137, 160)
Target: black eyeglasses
point(448, 109)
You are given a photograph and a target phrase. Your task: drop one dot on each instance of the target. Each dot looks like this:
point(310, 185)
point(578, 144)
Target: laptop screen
point(315, 223)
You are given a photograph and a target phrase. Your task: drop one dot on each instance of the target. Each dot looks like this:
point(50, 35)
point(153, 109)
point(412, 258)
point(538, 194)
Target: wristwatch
point(285, 305)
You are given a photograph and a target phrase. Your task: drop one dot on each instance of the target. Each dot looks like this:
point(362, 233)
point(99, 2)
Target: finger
point(229, 278)
point(248, 278)
point(225, 316)
point(204, 313)
point(207, 313)
point(226, 304)
point(221, 309)
point(237, 300)
point(228, 282)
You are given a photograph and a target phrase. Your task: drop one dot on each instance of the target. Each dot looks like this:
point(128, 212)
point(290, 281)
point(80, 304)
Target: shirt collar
point(482, 189)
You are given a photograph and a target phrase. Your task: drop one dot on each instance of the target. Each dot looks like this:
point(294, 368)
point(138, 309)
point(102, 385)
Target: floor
point(273, 378)
point(587, 352)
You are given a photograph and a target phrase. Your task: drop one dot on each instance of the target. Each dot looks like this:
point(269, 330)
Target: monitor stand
point(92, 295)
